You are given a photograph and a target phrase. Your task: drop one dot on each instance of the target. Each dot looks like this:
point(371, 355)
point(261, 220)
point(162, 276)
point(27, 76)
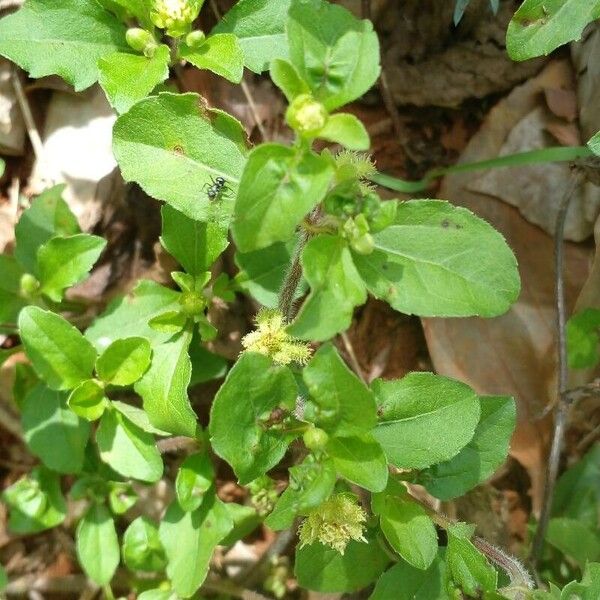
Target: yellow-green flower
point(337, 521)
point(271, 339)
point(306, 115)
point(175, 16)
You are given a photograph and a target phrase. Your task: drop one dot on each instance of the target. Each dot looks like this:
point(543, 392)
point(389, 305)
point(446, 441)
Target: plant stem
point(562, 403)
point(108, 593)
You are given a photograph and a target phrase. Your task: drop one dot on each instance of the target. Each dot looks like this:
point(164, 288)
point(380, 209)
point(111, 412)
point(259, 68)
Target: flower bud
point(315, 438)
point(195, 39)
point(29, 285)
point(141, 41)
point(192, 303)
point(175, 16)
point(306, 115)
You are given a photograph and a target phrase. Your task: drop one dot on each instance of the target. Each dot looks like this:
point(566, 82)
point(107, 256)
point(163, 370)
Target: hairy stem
point(287, 294)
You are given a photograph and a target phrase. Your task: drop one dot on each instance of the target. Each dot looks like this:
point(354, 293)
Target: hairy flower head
point(359, 164)
point(271, 339)
point(176, 16)
point(334, 523)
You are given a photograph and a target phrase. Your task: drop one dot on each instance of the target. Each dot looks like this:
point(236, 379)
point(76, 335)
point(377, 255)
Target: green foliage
point(309, 228)
point(582, 339)
point(540, 26)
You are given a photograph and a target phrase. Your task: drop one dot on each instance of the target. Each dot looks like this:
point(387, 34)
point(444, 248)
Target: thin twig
point(384, 88)
point(352, 355)
point(244, 85)
point(563, 403)
point(176, 444)
point(32, 130)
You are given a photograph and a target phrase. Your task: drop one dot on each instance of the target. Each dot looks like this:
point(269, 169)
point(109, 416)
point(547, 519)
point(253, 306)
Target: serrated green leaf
point(253, 388)
point(65, 38)
point(478, 460)
point(424, 419)
point(583, 337)
point(287, 79)
point(279, 187)
point(404, 582)
point(220, 53)
point(127, 448)
point(189, 539)
point(142, 550)
point(36, 502)
point(10, 285)
point(360, 459)
point(340, 402)
point(48, 215)
point(311, 483)
point(176, 158)
point(128, 78)
point(540, 26)
point(60, 355)
point(88, 400)
point(407, 527)
point(53, 432)
point(124, 361)
point(347, 130)
point(194, 478)
point(65, 261)
point(324, 569)
point(336, 289)
point(264, 270)
point(97, 544)
point(140, 9)
point(467, 567)
point(163, 387)
point(195, 245)
point(575, 539)
point(335, 53)
point(260, 28)
point(453, 264)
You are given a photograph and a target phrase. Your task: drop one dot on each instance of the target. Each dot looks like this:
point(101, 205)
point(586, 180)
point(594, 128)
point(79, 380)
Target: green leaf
point(124, 361)
point(577, 493)
point(424, 418)
point(335, 53)
point(407, 527)
point(61, 356)
point(88, 400)
point(158, 594)
point(128, 316)
point(594, 144)
point(311, 483)
point(453, 263)
point(541, 26)
point(127, 448)
point(335, 289)
point(65, 38)
point(245, 520)
point(142, 550)
point(404, 582)
point(360, 459)
point(583, 330)
point(140, 9)
point(340, 402)
point(52, 431)
point(36, 502)
point(206, 365)
point(575, 539)
point(324, 569)
point(176, 158)
point(65, 261)
point(347, 130)
point(588, 589)
point(164, 387)
point(253, 388)
point(467, 567)
point(478, 460)
point(10, 285)
point(279, 187)
point(189, 539)
point(287, 79)
point(220, 53)
point(138, 416)
point(260, 29)
point(97, 544)
point(263, 272)
point(128, 78)
point(48, 215)
point(194, 478)
point(194, 244)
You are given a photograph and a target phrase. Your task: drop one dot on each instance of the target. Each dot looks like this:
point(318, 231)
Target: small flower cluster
point(334, 523)
point(271, 339)
point(175, 16)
